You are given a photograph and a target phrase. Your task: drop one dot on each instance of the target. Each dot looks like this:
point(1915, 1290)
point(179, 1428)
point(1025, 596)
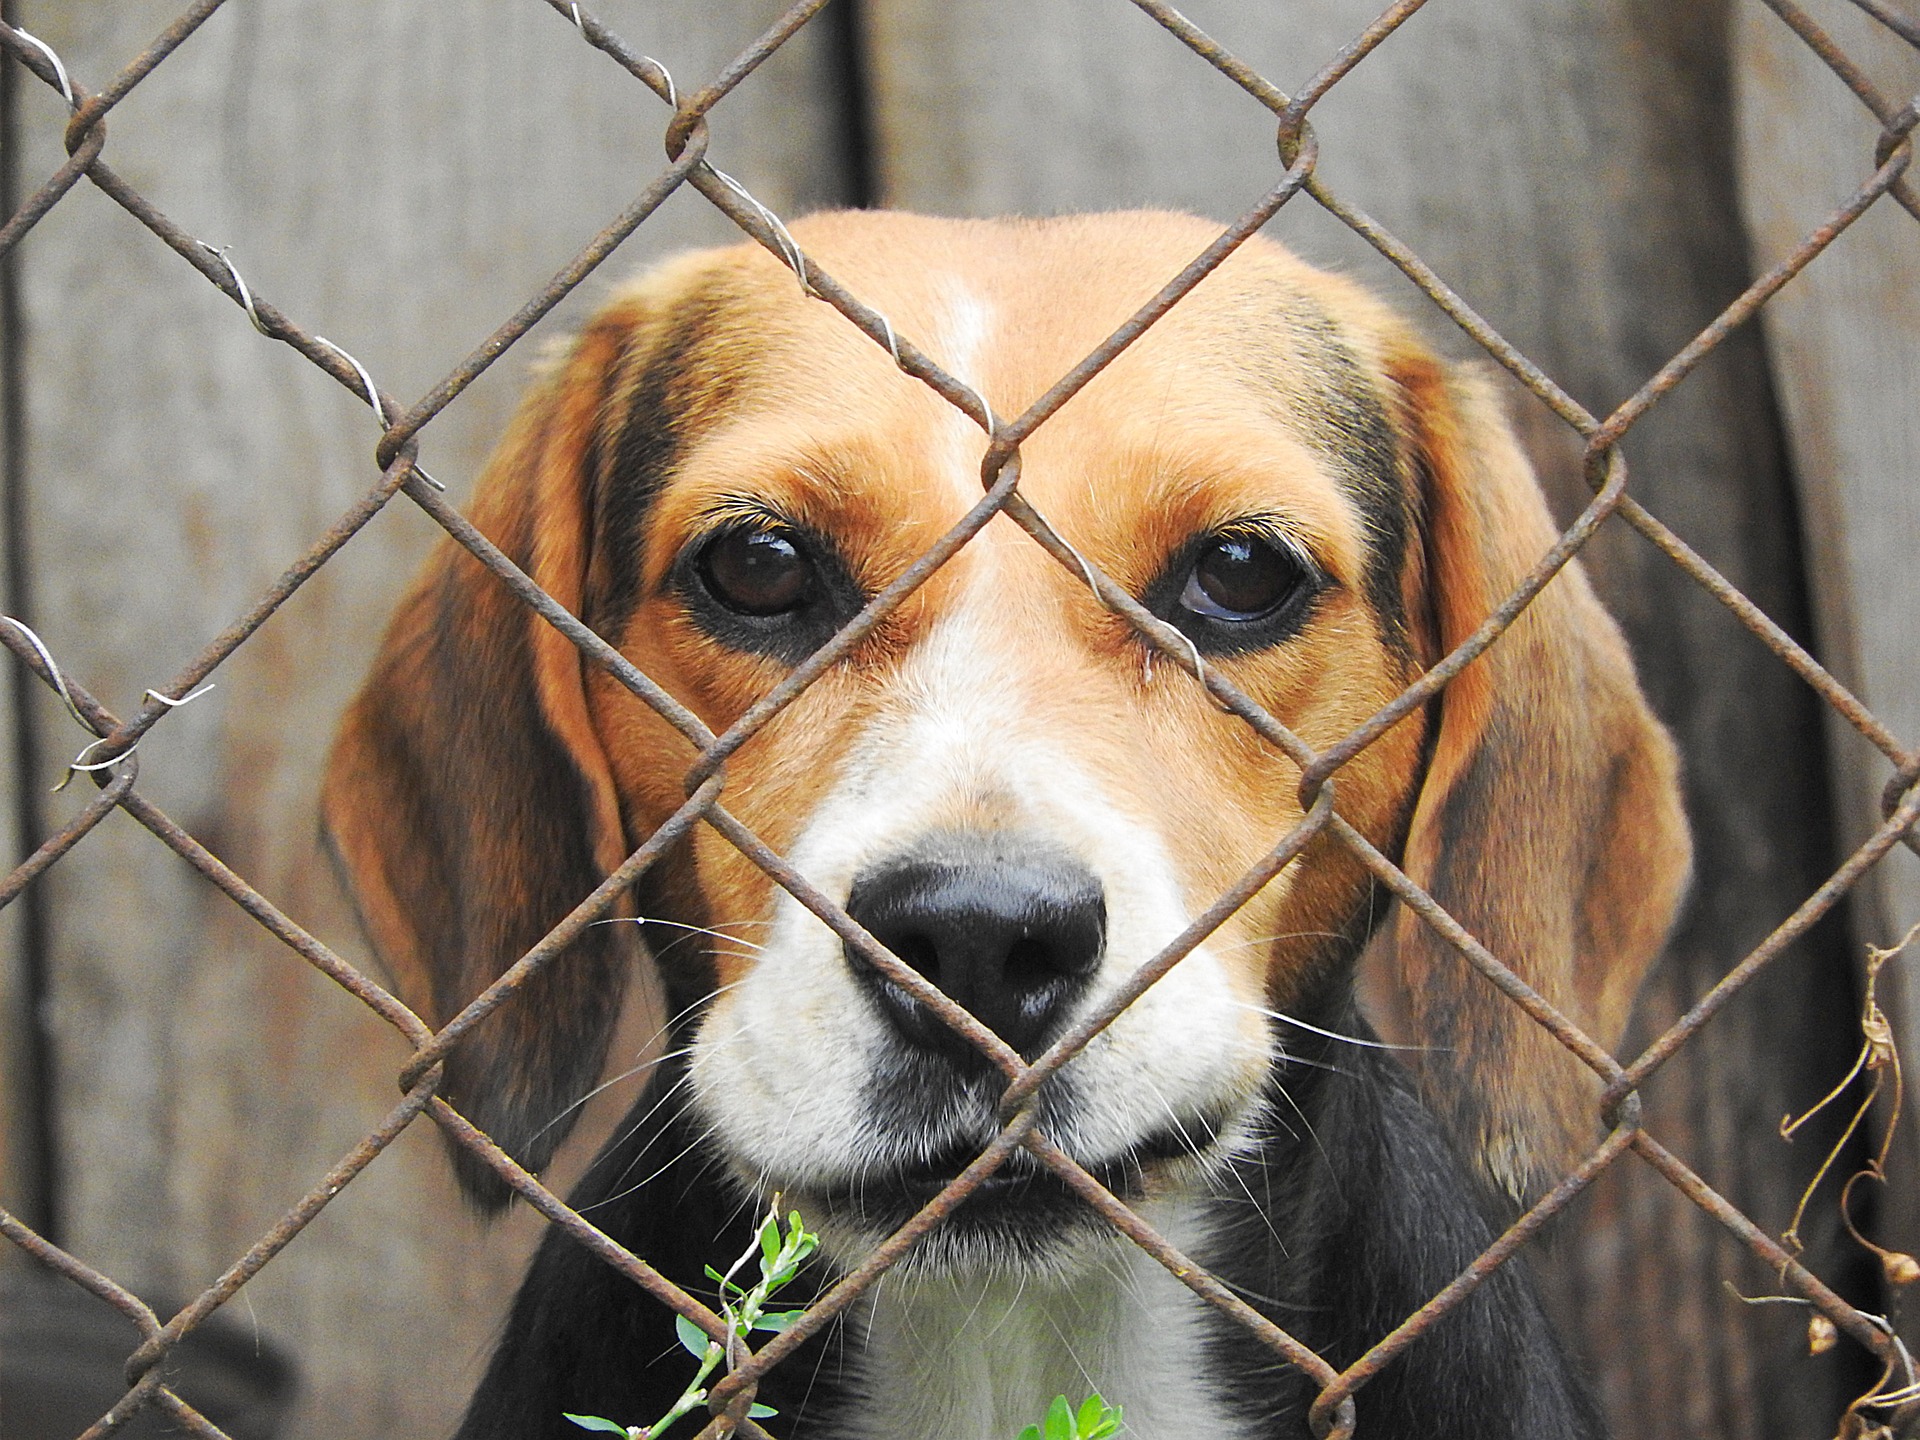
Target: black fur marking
point(1352, 1228)
point(651, 440)
point(1351, 424)
point(1339, 1228)
point(583, 1339)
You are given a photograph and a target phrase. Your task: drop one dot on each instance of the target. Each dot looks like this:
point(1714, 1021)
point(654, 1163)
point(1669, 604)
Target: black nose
point(1009, 930)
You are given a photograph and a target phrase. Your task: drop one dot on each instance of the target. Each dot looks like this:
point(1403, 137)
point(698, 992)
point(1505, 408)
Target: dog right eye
point(764, 586)
point(756, 572)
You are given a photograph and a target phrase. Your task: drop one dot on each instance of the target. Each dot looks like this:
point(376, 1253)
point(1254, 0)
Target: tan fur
point(1545, 819)
point(1549, 823)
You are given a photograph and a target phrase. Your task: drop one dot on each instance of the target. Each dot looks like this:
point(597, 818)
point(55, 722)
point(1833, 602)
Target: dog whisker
point(632, 1125)
point(663, 1028)
point(1329, 1067)
point(1306, 1124)
point(1274, 1302)
point(1297, 1023)
point(692, 929)
point(696, 1142)
point(608, 1084)
point(1232, 1170)
point(1260, 940)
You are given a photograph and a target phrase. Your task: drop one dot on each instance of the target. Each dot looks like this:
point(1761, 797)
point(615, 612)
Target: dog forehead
point(1010, 306)
point(1266, 356)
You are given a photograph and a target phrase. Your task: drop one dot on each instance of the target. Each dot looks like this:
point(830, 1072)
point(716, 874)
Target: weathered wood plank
point(398, 177)
point(1569, 169)
point(1844, 339)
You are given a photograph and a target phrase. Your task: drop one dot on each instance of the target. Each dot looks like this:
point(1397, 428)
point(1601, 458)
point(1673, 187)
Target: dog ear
point(468, 800)
point(1549, 823)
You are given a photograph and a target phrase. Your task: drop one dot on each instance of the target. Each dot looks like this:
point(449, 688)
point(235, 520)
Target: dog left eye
point(1242, 577)
point(757, 572)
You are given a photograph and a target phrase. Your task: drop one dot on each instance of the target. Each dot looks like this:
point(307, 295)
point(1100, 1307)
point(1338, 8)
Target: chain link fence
point(109, 761)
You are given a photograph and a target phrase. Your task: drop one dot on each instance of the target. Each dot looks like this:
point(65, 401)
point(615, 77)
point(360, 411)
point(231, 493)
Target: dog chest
point(980, 1358)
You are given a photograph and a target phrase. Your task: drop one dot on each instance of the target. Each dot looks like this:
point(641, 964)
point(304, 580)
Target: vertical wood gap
point(846, 45)
point(31, 1090)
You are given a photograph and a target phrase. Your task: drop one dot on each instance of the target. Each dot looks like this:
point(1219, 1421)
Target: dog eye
point(1242, 577)
point(756, 572)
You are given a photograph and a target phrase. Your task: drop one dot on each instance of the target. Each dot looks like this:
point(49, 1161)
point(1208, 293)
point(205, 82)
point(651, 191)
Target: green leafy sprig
point(1094, 1420)
point(744, 1309)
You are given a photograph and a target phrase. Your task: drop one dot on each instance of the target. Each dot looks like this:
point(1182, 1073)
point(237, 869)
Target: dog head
point(999, 782)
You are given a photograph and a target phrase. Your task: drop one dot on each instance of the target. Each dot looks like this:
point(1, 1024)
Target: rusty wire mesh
point(109, 759)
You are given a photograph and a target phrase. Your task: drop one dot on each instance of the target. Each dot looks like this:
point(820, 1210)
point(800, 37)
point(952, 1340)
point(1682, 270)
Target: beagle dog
point(1002, 786)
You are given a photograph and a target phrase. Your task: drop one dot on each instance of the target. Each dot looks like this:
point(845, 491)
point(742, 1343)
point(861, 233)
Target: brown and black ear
point(468, 800)
point(1550, 822)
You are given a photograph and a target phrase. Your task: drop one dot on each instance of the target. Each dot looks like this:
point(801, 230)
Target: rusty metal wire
point(685, 143)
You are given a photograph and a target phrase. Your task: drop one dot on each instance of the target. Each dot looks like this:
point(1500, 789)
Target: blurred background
point(1597, 179)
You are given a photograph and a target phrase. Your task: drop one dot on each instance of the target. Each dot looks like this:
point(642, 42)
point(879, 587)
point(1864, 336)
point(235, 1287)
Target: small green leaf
point(692, 1338)
point(1059, 1424)
point(801, 1241)
point(760, 1412)
point(1032, 1432)
point(716, 1276)
point(1097, 1419)
point(595, 1422)
point(777, 1320)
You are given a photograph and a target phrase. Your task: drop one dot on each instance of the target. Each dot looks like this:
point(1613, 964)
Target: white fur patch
point(971, 1344)
point(784, 1062)
point(965, 328)
point(981, 1358)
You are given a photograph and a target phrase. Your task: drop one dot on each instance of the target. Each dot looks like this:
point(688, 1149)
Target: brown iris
point(756, 571)
point(1242, 577)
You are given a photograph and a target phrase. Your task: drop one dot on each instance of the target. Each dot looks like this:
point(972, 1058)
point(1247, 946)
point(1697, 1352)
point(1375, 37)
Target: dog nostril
point(1009, 930)
point(917, 950)
point(1030, 963)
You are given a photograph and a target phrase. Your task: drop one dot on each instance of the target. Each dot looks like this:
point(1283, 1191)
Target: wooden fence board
point(1845, 343)
point(399, 177)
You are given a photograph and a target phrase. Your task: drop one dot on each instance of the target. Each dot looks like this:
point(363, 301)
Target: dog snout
point(1010, 931)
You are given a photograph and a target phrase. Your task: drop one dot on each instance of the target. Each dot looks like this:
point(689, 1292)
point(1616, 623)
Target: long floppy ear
point(1549, 823)
point(468, 800)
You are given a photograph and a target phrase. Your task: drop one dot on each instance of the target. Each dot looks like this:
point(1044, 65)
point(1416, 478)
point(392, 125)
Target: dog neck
point(1348, 1216)
point(978, 1357)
